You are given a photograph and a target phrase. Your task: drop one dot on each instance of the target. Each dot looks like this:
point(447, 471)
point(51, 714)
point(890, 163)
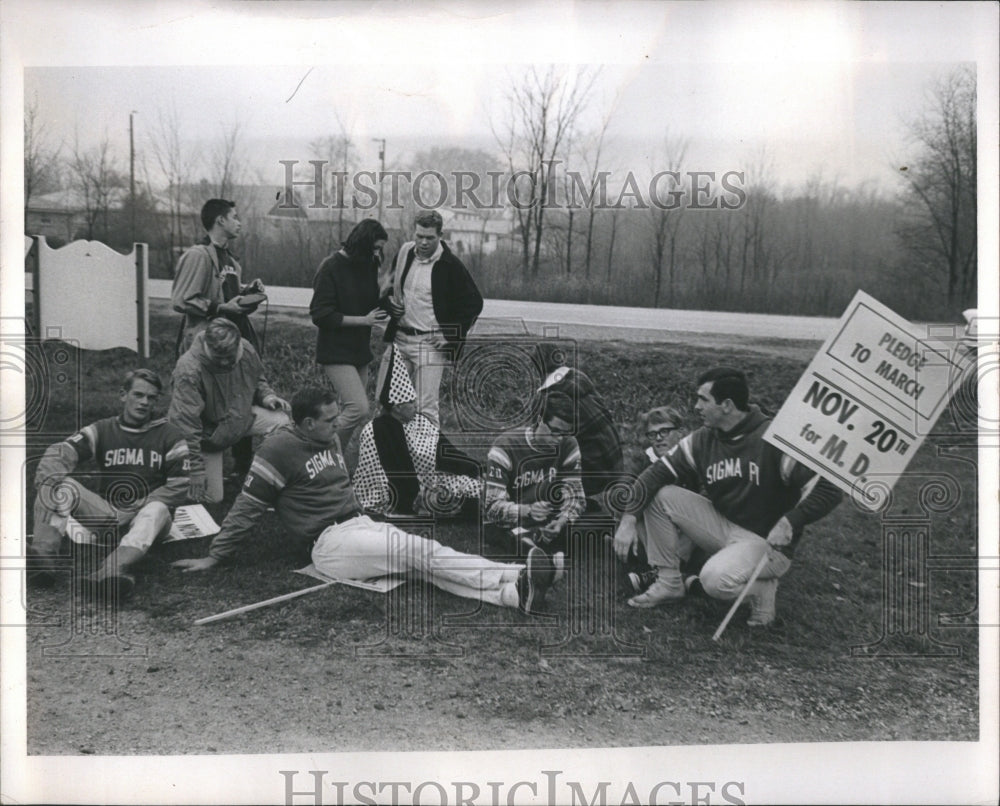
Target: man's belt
point(412, 331)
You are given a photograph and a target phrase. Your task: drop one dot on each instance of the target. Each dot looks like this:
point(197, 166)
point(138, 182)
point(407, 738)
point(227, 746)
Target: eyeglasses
point(660, 433)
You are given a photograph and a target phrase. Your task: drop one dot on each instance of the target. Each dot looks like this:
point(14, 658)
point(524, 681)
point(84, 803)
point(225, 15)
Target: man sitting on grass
point(143, 473)
point(752, 489)
point(533, 482)
point(300, 471)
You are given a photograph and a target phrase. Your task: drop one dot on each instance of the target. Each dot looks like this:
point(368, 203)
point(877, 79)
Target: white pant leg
point(426, 365)
point(150, 522)
point(362, 548)
point(727, 571)
point(213, 475)
point(676, 519)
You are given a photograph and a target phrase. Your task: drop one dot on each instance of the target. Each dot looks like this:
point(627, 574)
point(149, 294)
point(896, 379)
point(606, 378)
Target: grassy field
point(859, 652)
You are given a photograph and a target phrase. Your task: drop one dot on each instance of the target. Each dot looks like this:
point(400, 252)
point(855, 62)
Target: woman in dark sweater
point(345, 306)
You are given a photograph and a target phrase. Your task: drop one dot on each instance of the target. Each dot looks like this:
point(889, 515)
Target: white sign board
point(868, 399)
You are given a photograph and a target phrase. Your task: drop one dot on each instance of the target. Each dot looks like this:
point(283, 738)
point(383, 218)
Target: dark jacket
point(748, 480)
point(457, 301)
point(343, 286)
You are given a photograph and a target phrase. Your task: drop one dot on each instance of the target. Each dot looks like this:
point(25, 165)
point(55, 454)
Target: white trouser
point(264, 422)
point(425, 364)
point(676, 515)
point(362, 548)
point(145, 524)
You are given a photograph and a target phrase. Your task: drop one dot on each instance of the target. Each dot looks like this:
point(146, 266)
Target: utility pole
point(131, 169)
point(381, 157)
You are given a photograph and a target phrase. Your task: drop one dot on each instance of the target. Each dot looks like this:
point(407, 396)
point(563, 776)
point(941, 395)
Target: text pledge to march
point(870, 396)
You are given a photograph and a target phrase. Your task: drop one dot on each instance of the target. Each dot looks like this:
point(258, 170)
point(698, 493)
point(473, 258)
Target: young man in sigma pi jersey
point(142, 471)
point(758, 501)
point(300, 470)
point(533, 481)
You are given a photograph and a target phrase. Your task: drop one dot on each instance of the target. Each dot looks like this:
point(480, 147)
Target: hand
point(396, 309)
point(540, 510)
point(273, 402)
point(376, 316)
point(553, 528)
point(780, 534)
point(256, 287)
point(197, 486)
point(231, 307)
point(439, 341)
point(195, 564)
point(626, 538)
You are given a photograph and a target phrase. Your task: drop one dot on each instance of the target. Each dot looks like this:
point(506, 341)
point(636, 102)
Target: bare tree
point(338, 153)
point(595, 178)
point(228, 158)
point(41, 159)
point(666, 213)
point(941, 183)
point(99, 182)
point(177, 163)
point(542, 108)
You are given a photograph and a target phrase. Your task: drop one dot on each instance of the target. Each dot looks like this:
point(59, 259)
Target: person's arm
point(186, 406)
point(571, 477)
point(499, 508)
point(469, 302)
point(465, 305)
point(818, 497)
point(261, 490)
point(60, 459)
point(176, 490)
point(191, 285)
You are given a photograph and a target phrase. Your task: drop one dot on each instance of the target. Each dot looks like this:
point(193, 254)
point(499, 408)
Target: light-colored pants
point(425, 364)
point(264, 422)
point(351, 385)
point(362, 548)
point(676, 515)
point(150, 521)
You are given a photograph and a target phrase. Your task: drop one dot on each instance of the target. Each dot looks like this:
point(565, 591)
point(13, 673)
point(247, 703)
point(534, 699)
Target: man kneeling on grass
point(300, 470)
point(752, 489)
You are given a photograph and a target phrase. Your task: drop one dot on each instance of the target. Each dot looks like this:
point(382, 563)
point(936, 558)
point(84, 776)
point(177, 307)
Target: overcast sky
point(825, 88)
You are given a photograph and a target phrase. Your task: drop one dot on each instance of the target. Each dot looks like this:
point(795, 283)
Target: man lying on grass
point(752, 488)
point(300, 470)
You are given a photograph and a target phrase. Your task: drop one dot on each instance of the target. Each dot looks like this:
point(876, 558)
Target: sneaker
point(642, 580)
point(534, 580)
point(660, 592)
point(761, 598)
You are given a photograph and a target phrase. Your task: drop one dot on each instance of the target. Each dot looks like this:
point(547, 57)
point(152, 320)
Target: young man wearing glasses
point(533, 485)
point(757, 501)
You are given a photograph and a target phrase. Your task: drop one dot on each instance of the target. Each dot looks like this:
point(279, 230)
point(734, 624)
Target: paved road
point(591, 321)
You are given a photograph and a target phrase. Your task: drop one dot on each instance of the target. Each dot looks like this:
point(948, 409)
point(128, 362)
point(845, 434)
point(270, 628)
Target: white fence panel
point(88, 293)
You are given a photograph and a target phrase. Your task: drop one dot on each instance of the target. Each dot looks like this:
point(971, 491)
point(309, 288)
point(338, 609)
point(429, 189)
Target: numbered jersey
point(146, 456)
point(526, 472)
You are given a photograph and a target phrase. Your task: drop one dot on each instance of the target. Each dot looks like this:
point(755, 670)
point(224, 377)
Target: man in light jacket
point(220, 395)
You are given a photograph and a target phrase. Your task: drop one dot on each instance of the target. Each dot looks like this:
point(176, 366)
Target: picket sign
point(868, 399)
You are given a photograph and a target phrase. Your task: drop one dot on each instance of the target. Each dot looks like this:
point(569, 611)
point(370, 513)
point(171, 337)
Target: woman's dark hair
point(361, 240)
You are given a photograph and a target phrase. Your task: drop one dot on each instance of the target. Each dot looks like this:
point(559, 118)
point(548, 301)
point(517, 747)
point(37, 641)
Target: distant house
point(61, 216)
point(475, 232)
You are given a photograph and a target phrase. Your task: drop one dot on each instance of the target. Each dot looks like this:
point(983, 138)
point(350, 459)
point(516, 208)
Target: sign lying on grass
point(866, 402)
point(189, 522)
